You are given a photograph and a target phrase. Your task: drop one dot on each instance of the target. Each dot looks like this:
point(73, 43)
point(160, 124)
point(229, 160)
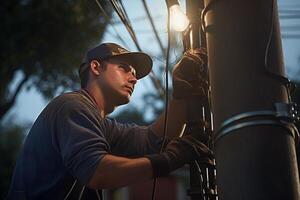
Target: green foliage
point(46, 41)
point(131, 115)
point(154, 104)
point(10, 144)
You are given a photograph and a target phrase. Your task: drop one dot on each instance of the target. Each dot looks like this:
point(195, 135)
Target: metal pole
point(255, 151)
point(202, 175)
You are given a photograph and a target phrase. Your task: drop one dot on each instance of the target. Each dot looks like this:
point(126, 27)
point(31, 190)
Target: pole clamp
point(284, 115)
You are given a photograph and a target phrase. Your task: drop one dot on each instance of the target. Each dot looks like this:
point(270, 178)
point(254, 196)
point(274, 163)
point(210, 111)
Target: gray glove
point(188, 72)
point(178, 152)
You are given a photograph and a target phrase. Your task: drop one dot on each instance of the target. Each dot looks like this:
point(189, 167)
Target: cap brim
point(141, 62)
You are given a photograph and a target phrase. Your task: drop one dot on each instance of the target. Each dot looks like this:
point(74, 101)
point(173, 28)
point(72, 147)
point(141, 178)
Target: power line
point(139, 19)
point(107, 18)
point(127, 24)
point(125, 12)
point(123, 18)
point(162, 148)
point(154, 28)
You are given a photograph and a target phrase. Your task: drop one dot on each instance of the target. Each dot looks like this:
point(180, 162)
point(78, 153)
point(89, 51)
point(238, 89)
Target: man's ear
point(95, 67)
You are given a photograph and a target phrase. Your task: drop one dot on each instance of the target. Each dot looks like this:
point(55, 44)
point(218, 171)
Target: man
point(72, 149)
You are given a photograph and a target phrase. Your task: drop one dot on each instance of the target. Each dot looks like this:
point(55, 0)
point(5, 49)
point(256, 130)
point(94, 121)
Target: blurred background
point(43, 42)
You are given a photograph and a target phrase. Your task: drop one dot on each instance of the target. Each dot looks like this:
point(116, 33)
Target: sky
point(30, 103)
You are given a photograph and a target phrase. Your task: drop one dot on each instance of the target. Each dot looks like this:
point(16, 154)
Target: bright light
point(179, 21)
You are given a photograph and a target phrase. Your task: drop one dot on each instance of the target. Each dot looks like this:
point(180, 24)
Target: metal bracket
point(284, 115)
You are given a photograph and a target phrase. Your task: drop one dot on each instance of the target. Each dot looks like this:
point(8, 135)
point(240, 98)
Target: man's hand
point(178, 152)
point(187, 74)
point(183, 150)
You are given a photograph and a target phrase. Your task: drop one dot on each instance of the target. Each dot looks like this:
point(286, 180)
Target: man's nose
point(132, 79)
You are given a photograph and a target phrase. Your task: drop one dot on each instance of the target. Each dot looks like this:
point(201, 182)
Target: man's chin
point(124, 99)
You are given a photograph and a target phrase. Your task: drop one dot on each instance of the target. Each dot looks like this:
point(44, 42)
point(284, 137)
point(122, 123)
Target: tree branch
point(4, 108)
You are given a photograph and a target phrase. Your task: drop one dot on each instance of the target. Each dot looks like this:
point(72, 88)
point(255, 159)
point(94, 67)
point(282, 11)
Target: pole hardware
point(258, 158)
point(284, 115)
point(199, 119)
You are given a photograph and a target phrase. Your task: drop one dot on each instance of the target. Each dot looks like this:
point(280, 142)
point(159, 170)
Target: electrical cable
point(167, 83)
point(285, 81)
point(139, 19)
point(125, 13)
point(154, 28)
point(108, 21)
point(200, 176)
point(81, 193)
point(125, 22)
point(166, 101)
point(152, 75)
point(122, 17)
point(71, 189)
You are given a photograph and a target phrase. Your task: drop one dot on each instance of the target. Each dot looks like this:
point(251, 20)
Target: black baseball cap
point(141, 62)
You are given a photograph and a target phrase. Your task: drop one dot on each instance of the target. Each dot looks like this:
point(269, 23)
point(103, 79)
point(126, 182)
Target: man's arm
point(115, 171)
point(176, 119)
point(186, 84)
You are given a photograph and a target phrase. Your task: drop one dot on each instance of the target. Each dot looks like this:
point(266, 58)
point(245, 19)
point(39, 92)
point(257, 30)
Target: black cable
point(285, 81)
point(122, 17)
point(167, 84)
point(107, 18)
point(125, 19)
point(125, 13)
point(166, 101)
point(154, 28)
point(200, 176)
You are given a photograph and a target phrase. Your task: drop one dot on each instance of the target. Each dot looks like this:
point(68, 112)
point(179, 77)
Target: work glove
point(189, 73)
point(178, 152)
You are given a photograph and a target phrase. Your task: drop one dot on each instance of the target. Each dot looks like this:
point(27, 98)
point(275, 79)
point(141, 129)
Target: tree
point(10, 143)
point(45, 41)
point(131, 115)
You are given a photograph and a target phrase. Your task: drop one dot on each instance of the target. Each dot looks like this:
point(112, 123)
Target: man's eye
point(125, 68)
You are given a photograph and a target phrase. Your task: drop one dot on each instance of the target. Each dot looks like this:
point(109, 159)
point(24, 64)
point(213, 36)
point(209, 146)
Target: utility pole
point(202, 175)
point(255, 136)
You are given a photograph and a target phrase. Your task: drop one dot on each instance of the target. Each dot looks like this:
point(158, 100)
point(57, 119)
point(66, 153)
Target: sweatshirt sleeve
point(131, 140)
point(79, 139)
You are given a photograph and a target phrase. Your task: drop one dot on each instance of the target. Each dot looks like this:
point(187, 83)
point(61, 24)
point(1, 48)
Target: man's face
point(118, 81)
